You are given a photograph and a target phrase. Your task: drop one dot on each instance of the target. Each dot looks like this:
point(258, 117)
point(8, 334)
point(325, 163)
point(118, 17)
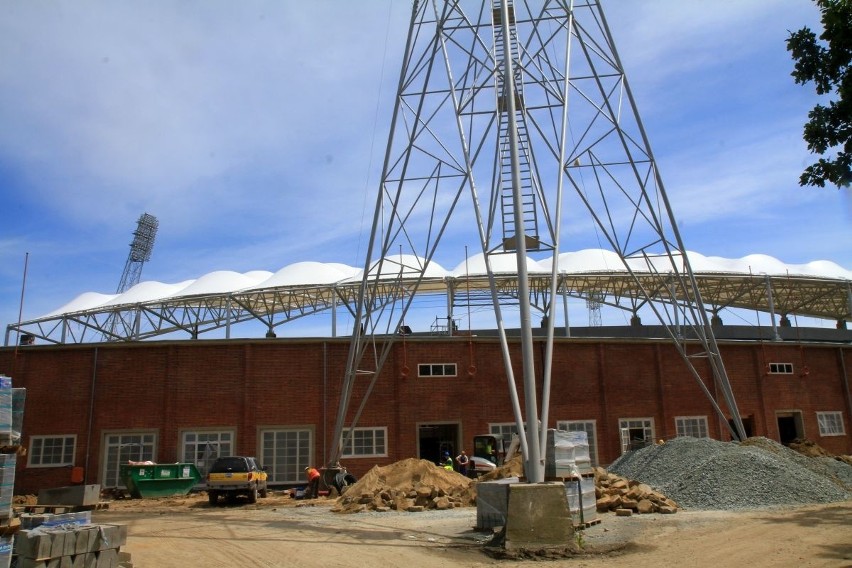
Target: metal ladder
point(503, 49)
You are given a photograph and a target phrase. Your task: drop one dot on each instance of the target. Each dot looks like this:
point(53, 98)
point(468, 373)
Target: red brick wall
point(247, 385)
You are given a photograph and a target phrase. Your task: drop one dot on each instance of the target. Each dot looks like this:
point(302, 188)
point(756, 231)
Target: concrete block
point(31, 563)
point(70, 547)
point(107, 558)
point(110, 536)
point(538, 517)
point(86, 540)
point(33, 545)
point(74, 495)
point(492, 501)
point(57, 547)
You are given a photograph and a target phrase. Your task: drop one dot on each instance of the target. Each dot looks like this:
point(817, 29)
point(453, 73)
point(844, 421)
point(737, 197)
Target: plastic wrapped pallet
point(7, 545)
point(34, 520)
point(7, 483)
point(5, 411)
point(492, 502)
point(559, 458)
point(582, 456)
point(582, 502)
point(19, 397)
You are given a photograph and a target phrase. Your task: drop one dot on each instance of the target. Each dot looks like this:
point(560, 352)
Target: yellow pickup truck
point(236, 475)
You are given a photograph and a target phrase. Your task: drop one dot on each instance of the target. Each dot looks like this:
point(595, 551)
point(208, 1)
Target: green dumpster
point(159, 480)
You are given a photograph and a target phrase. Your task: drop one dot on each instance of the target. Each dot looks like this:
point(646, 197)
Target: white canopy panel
point(303, 274)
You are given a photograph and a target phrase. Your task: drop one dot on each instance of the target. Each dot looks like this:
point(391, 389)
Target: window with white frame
point(636, 433)
point(830, 423)
point(437, 370)
point(123, 447)
point(366, 442)
point(694, 426)
point(781, 368)
point(587, 426)
point(203, 447)
point(286, 453)
point(51, 451)
point(503, 431)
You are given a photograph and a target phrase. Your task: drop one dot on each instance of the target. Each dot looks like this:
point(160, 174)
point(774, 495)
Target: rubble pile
point(411, 485)
point(512, 468)
point(701, 473)
point(616, 493)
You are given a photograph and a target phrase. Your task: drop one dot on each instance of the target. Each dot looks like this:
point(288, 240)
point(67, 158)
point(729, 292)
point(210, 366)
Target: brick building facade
point(95, 406)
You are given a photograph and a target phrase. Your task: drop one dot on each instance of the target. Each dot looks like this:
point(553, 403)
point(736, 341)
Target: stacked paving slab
point(68, 540)
point(71, 544)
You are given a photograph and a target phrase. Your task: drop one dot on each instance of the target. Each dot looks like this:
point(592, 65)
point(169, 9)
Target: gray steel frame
point(445, 137)
point(198, 316)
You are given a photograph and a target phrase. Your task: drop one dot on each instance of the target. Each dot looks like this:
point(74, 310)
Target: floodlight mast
point(140, 253)
point(483, 102)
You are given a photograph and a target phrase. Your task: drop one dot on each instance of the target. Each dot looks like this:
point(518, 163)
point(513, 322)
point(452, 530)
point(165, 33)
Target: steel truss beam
point(549, 68)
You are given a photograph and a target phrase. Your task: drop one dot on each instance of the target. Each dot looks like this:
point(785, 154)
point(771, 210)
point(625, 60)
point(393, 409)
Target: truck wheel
point(253, 495)
point(264, 492)
point(213, 498)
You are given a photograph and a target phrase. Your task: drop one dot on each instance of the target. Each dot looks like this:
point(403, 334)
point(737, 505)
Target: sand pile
point(409, 485)
point(512, 468)
point(809, 448)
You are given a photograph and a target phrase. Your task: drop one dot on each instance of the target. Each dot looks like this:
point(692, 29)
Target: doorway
point(435, 439)
point(748, 426)
point(790, 426)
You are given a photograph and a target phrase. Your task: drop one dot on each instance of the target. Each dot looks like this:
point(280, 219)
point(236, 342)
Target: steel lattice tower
point(140, 253)
point(503, 111)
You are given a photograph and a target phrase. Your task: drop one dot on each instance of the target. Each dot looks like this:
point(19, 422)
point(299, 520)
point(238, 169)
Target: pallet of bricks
point(11, 419)
point(67, 540)
point(568, 461)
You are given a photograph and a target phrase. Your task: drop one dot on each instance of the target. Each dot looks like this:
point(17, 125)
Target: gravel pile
point(700, 473)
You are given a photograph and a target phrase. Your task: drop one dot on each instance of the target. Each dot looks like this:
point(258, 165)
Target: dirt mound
point(408, 485)
point(809, 448)
point(512, 468)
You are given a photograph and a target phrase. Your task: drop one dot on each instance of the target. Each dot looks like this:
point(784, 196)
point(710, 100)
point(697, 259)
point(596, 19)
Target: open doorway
point(435, 439)
point(790, 426)
point(748, 425)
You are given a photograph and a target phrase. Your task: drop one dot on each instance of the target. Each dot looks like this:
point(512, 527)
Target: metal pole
point(21, 305)
point(533, 466)
point(775, 335)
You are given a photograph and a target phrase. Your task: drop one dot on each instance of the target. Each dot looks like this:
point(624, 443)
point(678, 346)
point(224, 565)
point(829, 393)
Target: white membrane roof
point(302, 274)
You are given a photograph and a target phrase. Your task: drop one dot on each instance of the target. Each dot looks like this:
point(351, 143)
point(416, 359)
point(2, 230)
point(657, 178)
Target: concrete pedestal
point(75, 495)
point(538, 517)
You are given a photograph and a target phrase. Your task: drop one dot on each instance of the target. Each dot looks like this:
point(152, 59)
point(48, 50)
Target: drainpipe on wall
point(845, 379)
point(324, 397)
point(91, 417)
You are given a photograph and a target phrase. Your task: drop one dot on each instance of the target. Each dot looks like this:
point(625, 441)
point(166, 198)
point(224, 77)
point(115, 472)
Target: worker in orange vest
point(313, 482)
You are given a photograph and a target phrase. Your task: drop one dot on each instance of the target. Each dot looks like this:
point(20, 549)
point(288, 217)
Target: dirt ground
point(282, 532)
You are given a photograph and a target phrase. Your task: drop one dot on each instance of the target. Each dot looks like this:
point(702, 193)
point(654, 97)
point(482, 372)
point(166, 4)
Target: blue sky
point(254, 132)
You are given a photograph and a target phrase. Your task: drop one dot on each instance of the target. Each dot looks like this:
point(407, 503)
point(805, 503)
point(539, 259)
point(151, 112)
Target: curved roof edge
point(310, 273)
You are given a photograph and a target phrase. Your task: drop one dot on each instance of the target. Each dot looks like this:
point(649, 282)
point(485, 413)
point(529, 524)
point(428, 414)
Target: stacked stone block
point(72, 546)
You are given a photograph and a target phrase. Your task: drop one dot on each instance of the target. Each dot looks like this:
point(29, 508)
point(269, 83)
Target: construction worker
point(313, 482)
point(463, 462)
point(448, 461)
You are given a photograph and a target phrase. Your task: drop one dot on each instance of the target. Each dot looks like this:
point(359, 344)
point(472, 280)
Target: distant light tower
point(593, 303)
point(140, 251)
